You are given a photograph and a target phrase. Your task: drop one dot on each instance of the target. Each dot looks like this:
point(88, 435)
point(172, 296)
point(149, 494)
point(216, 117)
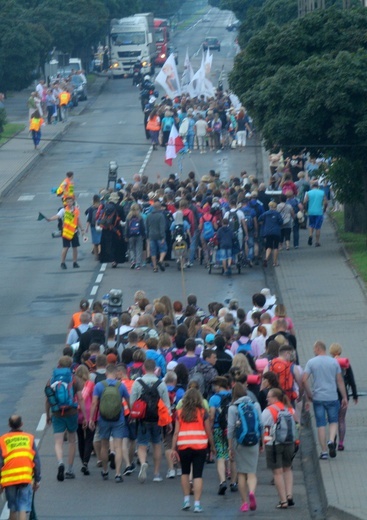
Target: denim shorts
point(115, 429)
point(67, 423)
point(326, 408)
point(149, 432)
point(315, 221)
point(19, 497)
point(156, 247)
point(224, 254)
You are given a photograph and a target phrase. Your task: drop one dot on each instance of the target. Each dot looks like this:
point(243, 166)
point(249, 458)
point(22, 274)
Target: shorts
point(115, 429)
point(323, 409)
point(167, 440)
point(156, 247)
point(221, 443)
point(272, 242)
point(224, 254)
point(74, 242)
point(97, 437)
point(67, 423)
point(315, 221)
point(283, 455)
point(149, 432)
point(130, 430)
point(19, 497)
point(96, 236)
point(196, 458)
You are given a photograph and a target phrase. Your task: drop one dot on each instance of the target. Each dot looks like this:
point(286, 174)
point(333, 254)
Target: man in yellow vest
point(66, 187)
point(20, 469)
point(71, 223)
point(64, 100)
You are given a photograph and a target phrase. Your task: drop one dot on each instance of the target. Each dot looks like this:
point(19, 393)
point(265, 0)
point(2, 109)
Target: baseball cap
point(209, 338)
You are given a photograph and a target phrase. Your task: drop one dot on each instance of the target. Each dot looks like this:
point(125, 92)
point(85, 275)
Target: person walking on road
point(71, 224)
point(156, 233)
point(135, 236)
point(327, 380)
point(96, 231)
point(316, 203)
point(35, 125)
point(20, 469)
point(190, 444)
point(271, 232)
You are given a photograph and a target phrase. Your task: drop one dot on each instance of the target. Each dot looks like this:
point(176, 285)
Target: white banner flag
point(208, 89)
point(168, 78)
point(187, 74)
point(196, 84)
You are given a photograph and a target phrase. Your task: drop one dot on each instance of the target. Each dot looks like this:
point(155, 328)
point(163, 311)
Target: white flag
point(174, 145)
point(197, 82)
point(168, 78)
point(187, 74)
point(208, 89)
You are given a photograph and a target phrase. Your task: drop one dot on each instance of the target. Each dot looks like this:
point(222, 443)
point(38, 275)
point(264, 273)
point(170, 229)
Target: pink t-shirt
point(287, 319)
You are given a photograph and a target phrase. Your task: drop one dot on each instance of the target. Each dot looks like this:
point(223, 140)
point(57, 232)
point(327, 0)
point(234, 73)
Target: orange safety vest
point(70, 224)
point(274, 412)
point(64, 98)
point(18, 454)
point(35, 124)
point(65, 188)
point(129, 384)
point(153, 124)
point(193, 434)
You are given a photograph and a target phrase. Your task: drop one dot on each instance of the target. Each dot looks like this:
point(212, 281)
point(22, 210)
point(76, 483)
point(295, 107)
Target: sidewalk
point(327, 302)
point(321, 292)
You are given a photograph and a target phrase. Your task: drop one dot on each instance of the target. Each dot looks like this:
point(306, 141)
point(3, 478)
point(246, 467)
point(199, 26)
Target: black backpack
point(233, 221)
point(225, 401)
point(150, 396)
point(178, 231)
point(109, 216)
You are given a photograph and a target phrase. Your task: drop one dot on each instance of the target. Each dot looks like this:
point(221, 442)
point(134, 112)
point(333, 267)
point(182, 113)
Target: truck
point(132, 39)
point(162, 38)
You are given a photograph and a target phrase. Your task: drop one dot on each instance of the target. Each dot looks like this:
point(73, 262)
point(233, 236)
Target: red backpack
point(283, 369)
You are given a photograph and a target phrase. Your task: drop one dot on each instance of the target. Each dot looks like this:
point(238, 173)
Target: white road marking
point(5, 514)
point(26, 197)
point(37, 441)
point(145, 162)
point(90, 302)
point(103, 267)
point(94, 290)
point(42, 423)
point(99, 278)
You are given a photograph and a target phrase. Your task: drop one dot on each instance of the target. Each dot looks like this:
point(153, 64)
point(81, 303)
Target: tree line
point(304, 81)
point(30, 29)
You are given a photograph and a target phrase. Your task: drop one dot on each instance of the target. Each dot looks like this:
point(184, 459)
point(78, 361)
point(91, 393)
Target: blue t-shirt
point(315, 202)
point(99, 387)
point(214, 402)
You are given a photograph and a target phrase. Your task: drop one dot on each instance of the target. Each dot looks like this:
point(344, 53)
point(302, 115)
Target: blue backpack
point(208, 230)
point(62, 386)
point(248, 428)
point(134, 227)
point(244, 347)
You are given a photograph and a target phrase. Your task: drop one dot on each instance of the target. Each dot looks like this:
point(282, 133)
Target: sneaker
point(318, 244)
point(233, 487)
point(198, 509)
point(323, 456)
point(118, 479)
point(104, 475)
point(161, 266)
point(171, 473)
point(332, 449)
point(99, 464)
point(111, 458)
point(76, 265)
point(143, 473)
point(60, 472)
point(252, 500)
point(340, 447)
point(178, 472)
point(222, 488)
point(309, 242)
point(157, 478)
point(128, 470)
point(137, 267)
point(265, 263)
point(132, 266)
point(244, 507)
point(69, 475)
point(84, 469)
point(63, 265)
point(186, 505)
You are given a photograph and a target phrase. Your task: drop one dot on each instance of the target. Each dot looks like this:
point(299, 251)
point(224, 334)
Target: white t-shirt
point(201, 127)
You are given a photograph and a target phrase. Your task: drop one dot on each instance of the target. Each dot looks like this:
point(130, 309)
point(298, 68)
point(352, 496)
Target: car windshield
point(212, 40)
point(76, 80)
point(128, 38)
point(159, 35)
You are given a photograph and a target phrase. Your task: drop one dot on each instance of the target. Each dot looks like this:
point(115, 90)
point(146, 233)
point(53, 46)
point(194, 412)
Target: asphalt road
point(38, 298)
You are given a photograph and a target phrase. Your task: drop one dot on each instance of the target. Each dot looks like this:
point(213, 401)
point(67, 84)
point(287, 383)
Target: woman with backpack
point(287, 214)
point(279, 455)
point(244, 450)
point(85, 434)
point(135, 236)
point(189, 445)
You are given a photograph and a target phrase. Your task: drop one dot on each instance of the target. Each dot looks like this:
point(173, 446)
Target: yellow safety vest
point(35, 124)
point(70, 224)
point(18, 454)
point(64, 98)
point(66, 188)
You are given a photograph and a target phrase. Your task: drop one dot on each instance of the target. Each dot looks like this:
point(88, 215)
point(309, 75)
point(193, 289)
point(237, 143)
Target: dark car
point(80, 87)
point(233, 26)
point(211, 43)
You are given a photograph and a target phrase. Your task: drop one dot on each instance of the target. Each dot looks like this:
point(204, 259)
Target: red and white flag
point(174, 145)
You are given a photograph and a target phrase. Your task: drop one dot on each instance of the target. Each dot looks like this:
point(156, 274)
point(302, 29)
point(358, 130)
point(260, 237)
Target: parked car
point(80, 87)
point(206, 18)
point(234, 25)
point(211, 43)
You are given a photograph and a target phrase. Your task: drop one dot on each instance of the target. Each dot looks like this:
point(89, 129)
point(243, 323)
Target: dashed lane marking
point(94, 290)
point(99, 278)
point(42, 423)
point(26, 197)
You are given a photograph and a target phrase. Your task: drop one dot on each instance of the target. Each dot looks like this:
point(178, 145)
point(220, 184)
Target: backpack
point(108, 217)
point(178, 231)
point(286, 216)
point(134, 227)
point(233, 221)
point(169, 219)
point(93, 216)
point(135, 372)
point(286, 380)
point(284, 429)
point(110, 404)
point(61, 384)
point(208, 229)
point(196, 375)
point(150, 396)
point(172, 400)
point(222, 418)
point(244, 347)
point(248, 427)
point(249, 219)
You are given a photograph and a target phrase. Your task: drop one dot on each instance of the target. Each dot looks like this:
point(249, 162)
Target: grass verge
point(10, 130)
point(91, 78)
point(354, 243)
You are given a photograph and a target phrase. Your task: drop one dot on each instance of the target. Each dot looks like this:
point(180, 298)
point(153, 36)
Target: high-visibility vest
point(64, 98)
point(65, 188)
point(35, 124)
point(154, 124)
point(70, 224)
point(193, 434)
point(129, 384)
point(18, 454)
